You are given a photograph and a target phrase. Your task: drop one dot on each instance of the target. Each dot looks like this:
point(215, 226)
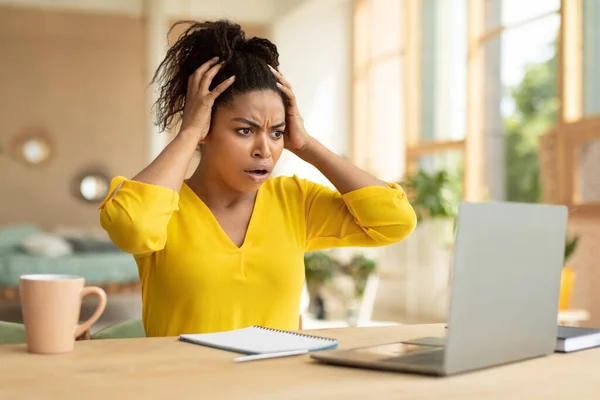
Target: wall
point(281, 7)
point(314, 41)
point(585, 263)
point(258, 11)
point(81, 78)
point(248, 11)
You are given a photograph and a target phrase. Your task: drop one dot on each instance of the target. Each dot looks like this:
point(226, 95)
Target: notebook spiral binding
point(294, 333)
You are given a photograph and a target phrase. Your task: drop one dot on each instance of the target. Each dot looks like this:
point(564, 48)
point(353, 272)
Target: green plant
point(359, 268)
point(570, 247)
point(433, 194)
point(319, 267)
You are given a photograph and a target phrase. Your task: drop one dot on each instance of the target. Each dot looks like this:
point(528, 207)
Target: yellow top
point(195, 279)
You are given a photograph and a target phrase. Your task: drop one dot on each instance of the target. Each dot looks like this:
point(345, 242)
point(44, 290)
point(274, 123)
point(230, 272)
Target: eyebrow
point(255, 125)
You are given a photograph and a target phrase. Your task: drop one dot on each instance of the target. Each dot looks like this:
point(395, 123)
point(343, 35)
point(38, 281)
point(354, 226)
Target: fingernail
point(279, 84)
point(232, 77)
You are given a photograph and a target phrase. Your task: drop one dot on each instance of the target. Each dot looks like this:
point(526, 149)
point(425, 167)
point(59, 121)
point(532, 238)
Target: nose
point(261, 147)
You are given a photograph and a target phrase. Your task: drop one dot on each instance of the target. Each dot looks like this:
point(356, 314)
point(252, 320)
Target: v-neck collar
point(218, 226)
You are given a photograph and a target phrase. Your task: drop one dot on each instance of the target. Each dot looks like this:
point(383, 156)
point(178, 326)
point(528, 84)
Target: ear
point(205, 139)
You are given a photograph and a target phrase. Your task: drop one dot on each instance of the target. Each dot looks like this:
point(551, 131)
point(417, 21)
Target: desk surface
point(167, 368)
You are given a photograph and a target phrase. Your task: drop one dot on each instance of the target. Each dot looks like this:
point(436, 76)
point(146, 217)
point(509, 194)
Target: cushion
point(47, 245)
point(11, 236)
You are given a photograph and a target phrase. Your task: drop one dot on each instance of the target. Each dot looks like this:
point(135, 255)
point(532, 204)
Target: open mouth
point(257, 172)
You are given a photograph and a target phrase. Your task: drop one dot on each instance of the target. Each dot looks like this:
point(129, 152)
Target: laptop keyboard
point(421, 358)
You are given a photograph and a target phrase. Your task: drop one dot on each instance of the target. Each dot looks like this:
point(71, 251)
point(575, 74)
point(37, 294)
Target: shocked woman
point(224, 249)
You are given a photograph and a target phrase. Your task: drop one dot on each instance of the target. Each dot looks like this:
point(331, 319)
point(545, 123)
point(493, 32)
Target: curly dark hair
point(247, 59)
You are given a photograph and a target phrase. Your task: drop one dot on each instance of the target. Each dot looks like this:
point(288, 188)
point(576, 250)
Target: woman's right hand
point(199, 99)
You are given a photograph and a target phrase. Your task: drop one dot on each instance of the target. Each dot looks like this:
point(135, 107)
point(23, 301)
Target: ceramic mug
point(51, 305)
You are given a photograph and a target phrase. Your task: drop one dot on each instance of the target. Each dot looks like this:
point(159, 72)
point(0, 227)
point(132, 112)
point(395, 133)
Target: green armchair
point(133, 328)
point(11, 333)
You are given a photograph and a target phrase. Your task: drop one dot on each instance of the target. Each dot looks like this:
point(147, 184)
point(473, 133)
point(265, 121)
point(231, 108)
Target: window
point(409, 85)
point(377, 143)
point(480, 80)
point(591, 57)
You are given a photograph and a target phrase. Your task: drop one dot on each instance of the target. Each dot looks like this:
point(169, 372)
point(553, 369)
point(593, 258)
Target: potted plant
point(567, 280)
point(319, 269)
point(345, 280)
point(358, 271)
point(359, 268)
point(432, 195)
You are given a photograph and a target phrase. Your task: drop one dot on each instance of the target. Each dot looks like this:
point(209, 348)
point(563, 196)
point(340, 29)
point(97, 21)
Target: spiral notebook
point(260, 340)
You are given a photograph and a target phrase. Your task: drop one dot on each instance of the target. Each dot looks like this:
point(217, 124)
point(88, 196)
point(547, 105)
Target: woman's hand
point(344, 175)
point(296, 138)
point(199, 99)
point(169, 168)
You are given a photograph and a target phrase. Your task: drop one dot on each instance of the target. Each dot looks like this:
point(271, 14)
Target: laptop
point(503, 308)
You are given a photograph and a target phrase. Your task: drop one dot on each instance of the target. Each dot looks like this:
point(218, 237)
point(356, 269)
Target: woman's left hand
point(296, 137)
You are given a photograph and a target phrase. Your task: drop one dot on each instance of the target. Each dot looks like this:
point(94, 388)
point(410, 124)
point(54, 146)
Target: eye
point(277, 134)
point(244, 131)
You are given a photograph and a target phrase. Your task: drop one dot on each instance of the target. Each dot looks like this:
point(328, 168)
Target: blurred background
point(456, 100)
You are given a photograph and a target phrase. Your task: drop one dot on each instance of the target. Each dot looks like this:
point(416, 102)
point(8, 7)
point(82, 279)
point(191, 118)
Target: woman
point(224, 249)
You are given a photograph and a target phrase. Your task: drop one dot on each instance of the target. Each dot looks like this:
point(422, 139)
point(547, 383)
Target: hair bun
point(224, 38)
point(221, 38)
point(263, 49)
point(198, 44)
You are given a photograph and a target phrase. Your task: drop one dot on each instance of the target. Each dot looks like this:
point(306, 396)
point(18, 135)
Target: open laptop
point(504, 297)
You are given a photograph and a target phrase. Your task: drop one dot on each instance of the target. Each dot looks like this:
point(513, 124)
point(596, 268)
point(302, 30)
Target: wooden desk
point(164, 368)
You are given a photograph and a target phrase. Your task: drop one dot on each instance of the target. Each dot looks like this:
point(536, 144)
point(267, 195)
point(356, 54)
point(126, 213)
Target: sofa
point(28, 249)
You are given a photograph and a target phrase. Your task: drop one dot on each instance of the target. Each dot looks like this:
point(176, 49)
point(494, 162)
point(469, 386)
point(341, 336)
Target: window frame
point(362, 64)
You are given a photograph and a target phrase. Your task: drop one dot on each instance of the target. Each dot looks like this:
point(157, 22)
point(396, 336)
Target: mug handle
point(99, 310)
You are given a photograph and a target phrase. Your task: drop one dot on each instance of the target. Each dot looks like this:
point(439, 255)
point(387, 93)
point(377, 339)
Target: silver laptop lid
point(506, 278)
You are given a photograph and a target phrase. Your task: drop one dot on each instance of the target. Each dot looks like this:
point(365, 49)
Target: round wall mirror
point(32, 147)
point(92, 187)
point(35, 150)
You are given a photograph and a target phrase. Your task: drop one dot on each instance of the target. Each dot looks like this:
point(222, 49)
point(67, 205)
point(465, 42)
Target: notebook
point(570, 338)
point(260, 340)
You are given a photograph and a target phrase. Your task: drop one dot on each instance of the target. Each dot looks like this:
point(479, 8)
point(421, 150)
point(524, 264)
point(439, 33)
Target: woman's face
point(246, 139)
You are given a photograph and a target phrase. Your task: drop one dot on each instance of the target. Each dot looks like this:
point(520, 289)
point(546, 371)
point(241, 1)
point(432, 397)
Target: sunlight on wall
point(316, 61)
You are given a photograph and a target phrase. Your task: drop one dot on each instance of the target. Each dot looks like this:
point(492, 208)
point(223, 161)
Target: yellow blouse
point(195, 279)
